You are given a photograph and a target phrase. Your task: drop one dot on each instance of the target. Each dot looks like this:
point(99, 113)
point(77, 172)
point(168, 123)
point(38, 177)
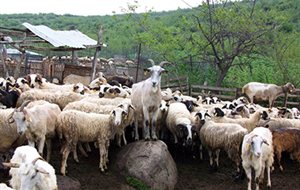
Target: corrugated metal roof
point(72, 38)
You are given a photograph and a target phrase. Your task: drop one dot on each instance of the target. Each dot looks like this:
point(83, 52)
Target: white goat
point(30, 171)
point(146, 98)
point(257, 153)
point(262, 91)
point(38, 121)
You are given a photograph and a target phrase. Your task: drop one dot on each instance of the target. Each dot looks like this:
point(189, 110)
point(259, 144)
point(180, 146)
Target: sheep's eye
point(160, 105)
point(114, 113)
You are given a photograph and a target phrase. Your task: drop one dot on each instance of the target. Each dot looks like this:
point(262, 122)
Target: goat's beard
point(154, 88)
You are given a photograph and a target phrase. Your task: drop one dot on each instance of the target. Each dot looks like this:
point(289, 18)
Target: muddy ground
point(192, 174)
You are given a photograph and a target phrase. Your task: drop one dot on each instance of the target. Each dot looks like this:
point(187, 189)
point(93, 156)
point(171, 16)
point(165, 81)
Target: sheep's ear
point(117, 90)
point(266, 142)
point(11, 165)
point(131, 106)
point(239, 109)
point(206, 114)
point(146, 71)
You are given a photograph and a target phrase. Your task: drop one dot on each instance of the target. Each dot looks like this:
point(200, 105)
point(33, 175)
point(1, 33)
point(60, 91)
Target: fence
point(182, 84)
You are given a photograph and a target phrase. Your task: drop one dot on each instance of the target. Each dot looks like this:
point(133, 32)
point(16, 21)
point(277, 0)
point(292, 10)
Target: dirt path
point(192, 174)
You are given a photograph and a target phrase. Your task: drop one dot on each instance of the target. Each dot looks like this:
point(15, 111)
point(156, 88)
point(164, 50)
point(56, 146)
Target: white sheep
point(38, 121)
point(248, 123)
point(179, 123)
point(3, 186)
point(257, 153)
point(30, 171)
point(221, 136)
point(9, 137)
point(146, 98)
point(88, 127)
point(59, 98)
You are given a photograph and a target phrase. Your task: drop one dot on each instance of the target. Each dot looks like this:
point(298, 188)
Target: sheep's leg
point(201, 151)
point(41, 145)
point(269, 177)
point(136, 127)
point(87, 147)
point(278, 155)
point(66, 153)
point(248, 174)
point(101, 146)
point(257, 176)
point(82, 151)
point(75, 156)
point(124, 138)
point(146, 124)
point(271, 103)
point(49, 147)
point(217, 152)
point(211, 162)
point(119, 139)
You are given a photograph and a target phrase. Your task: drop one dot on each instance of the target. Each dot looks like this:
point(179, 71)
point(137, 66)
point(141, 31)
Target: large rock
point(149, 161)
point(67, 183)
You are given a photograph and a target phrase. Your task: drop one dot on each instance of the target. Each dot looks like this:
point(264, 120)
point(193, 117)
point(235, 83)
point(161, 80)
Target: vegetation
point(136, 183)
point(224, 44)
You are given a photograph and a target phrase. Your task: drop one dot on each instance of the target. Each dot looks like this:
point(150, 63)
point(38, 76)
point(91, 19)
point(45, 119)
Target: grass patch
point(136, 183)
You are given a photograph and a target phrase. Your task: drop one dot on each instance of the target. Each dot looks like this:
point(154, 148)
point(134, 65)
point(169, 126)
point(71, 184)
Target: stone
point(149, 161)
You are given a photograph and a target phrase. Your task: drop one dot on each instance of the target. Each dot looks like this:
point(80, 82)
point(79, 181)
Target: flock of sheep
point(35, 111)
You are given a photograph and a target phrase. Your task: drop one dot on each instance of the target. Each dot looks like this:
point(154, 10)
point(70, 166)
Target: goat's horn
point(24, 104)
point(151, 61)
point(164, 62)
point(11, 165)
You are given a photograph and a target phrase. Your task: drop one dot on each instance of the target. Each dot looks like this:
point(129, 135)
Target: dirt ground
point(192, 174)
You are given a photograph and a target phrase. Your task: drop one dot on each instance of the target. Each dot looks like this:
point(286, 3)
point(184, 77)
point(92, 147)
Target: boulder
point(149, 161)
point(67, 183)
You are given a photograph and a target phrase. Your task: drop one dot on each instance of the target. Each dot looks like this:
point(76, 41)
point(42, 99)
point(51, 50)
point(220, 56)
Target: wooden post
point(285, 98)
point(74, 57)
point(26, 64)
point(18, 66)
point(98, 49)
point(3, 58)
point(138, 62)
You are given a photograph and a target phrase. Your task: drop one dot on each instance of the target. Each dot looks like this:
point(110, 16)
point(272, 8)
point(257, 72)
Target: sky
point(90, 7)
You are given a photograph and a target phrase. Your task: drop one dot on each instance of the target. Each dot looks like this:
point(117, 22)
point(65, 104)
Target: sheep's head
point(119, 115)
point(202, 115)
point(255, 144)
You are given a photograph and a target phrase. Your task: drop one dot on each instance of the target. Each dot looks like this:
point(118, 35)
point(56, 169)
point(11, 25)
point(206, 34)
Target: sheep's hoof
point(147, 139)
point(268, 186)
point(154, 138)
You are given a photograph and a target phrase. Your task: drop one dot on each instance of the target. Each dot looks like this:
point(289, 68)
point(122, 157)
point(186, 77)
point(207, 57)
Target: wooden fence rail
point(182, 84)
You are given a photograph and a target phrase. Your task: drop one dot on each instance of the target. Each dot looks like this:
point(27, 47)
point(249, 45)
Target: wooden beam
point(23, 42)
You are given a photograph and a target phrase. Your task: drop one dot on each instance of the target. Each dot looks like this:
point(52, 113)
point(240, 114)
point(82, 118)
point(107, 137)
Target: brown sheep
point(286, 139)
point(262, 91)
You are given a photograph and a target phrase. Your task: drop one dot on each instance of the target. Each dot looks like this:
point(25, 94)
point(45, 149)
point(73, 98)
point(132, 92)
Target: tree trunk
point(138, 62)
point(221, 75)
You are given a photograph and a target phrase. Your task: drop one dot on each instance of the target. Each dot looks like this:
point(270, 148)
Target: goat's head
point(155, 71)
point(288, 88)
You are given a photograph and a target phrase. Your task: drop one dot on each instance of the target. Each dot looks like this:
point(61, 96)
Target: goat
point(262, 91)
point(146, 98)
